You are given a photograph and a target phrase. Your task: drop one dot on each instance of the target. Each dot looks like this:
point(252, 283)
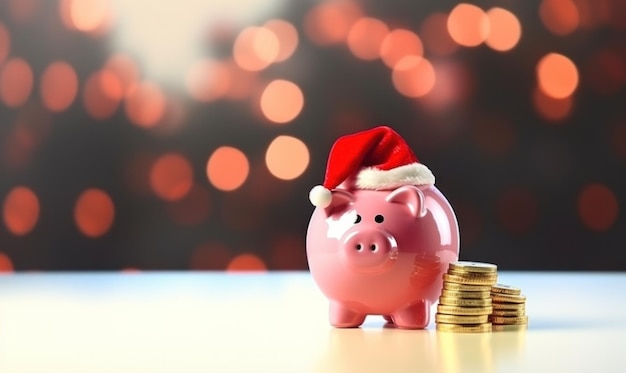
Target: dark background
point(534, 187)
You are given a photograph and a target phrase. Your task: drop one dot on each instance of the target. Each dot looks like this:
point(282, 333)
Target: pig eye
point(358, 219)
point(379, 218)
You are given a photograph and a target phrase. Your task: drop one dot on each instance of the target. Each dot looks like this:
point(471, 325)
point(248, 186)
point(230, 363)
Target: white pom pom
point(320, 196)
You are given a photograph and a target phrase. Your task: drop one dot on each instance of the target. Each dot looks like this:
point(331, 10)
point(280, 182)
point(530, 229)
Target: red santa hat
point(379, 158)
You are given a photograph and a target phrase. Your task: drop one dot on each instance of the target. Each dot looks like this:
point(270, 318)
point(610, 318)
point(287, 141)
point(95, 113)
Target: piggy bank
point(380, 248)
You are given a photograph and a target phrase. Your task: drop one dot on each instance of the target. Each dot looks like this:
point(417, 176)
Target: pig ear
point(340, 200)
point(410, 196)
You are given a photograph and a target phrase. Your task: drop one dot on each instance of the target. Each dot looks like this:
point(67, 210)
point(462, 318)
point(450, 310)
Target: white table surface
point(215, 322)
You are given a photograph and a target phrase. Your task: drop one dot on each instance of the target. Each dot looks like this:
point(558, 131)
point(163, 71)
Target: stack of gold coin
point(465, 302)
point(509, 308)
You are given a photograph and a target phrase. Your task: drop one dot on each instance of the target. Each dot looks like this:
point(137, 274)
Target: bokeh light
point(102, 94)
point(22, 11)
point(59, 85)
point(208, 80)
point(171, 177)
point(287, 37)
point(398, 44)
point(597, 207)
point(20, 210)
point(329, 22)
point(192, 209)
point(5, 43)
point(468, 25)
point(366, 37)
point(557, 75)
point(16, 82)
point(6, 264)
point(227, 168)
point(505, 29)
point(94, 212)
point(125, 68)
point(246, 262)
point(559, 16)
point(145, 104)
point(281, 101)
point(86, 15)
point(287, 157)
point(255, 48)
point(413, 76)
point(517, 211)
point(550, 108)
point(242, 84)
point(434, 32)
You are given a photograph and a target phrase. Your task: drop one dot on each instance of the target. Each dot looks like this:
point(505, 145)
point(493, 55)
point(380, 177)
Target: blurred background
point(145, 135)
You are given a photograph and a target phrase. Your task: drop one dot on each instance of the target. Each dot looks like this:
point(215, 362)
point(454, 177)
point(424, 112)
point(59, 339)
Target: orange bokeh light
point(287, 37)
point(16, 82)
point(125, 68)
point(208, 80)
point(246, 262)
point(468, 25)
point(145, 104)
point(399, 44)
point(550, 108)
point(94, 212)
point(255, 48)
point(287, 157)
point(5, 42)
point(85, 15)
point(6, 265)
point(435, 35)
point(366, 37)
point(559, 16)
point(242, 83)
point(102, 94)
point(557, 75)
point(59, 85)
point(281, 101)
point(598, 207)
point(171, 177)
point(20, 210)
point(413, 76)
point(22, 11)
point(227, 168)
point(329, 22)
point(505, 30)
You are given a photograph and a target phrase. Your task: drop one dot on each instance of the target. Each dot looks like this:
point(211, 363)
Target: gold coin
point(467, 328)
point(469, 280)
point(457, 310)
point(509, 306)
point(465, 294)
point(505, 289)
point(508, 313)
point(508, 320)
point(505, 298)
point(480, 275)
point(463, 266)
point(509, 328)
point(466, 287)
point(465, 302)
point(461, 319)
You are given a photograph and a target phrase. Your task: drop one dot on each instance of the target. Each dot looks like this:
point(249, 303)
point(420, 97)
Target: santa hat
point(379, 158)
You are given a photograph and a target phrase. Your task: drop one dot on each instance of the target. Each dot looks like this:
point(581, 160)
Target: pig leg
point(343, 317)
point(415, 316)
point(388, 318)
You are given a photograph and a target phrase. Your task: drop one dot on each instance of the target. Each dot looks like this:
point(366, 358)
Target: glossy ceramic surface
point(382, 253)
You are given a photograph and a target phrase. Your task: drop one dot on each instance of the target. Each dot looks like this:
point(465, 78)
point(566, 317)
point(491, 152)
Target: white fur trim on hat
point(320, 196)
point(410, 174)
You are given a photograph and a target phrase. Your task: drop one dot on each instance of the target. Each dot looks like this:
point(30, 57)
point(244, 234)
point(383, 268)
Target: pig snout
point(369, 250)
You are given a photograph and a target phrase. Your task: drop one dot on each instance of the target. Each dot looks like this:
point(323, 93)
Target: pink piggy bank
point(382, 234)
